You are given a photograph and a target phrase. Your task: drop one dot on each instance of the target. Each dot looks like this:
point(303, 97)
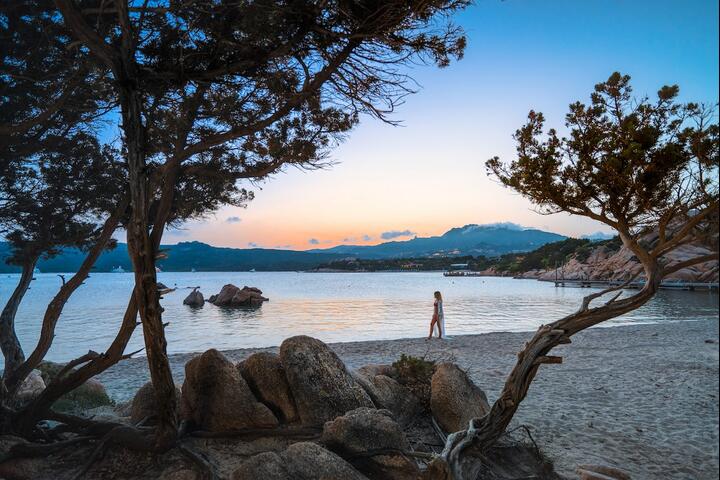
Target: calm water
point(329, 306)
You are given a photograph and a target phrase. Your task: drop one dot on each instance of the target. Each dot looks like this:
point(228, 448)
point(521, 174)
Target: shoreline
point(643, 398)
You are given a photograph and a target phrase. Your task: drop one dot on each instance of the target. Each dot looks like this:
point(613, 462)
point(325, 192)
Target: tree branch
point(689, 263)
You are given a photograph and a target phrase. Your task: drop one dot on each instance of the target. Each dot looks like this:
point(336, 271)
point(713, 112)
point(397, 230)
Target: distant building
point(459, 266)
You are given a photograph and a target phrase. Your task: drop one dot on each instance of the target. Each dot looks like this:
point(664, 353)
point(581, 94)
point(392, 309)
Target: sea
point(334, 307)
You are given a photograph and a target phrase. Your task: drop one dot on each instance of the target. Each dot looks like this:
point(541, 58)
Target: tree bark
point(121, 60)
point(11, 348)
point(143, 253)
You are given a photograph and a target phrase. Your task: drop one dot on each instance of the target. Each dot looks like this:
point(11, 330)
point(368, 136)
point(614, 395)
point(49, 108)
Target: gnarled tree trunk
point(143, 253)
point(486, 431)
point(17, 375)
point(11, 348)
point(62, 384)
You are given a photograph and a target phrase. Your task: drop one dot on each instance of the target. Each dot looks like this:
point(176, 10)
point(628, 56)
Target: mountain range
point(486, 240)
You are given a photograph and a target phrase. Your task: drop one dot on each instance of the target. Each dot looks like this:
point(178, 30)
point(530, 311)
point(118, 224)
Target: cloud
point(314, 241)
point(367, 238)
point(506, 225)
point(253, 245)
point(233, 220)
point(396, 234)
point(498, 225)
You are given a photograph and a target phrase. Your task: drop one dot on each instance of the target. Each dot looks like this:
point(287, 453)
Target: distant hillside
point(470, 240)
point(184, 257)
point(543, 258)
point(473, 240)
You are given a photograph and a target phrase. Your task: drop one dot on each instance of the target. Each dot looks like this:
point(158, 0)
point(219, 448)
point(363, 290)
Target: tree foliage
point(632, 164)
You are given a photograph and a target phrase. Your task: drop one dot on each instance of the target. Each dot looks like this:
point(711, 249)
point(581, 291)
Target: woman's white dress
point(441, 318)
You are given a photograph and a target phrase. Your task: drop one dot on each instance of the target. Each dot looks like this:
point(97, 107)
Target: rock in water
point(144, 404)
point(454, 398)
point(321, 385)
point(216, 398)
point(265, 375)
point(195, 299)
point(232, 296)
point(301, 461)
point(364, 429)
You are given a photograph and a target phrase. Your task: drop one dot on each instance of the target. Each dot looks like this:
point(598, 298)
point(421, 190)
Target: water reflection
point(333, 307)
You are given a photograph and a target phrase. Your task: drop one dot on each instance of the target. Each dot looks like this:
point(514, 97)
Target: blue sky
point(428, 175)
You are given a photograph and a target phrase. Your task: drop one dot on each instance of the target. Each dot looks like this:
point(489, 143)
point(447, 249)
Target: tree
point(60, 187)
point(647, 169)
point(42, 213)
point(236, 89)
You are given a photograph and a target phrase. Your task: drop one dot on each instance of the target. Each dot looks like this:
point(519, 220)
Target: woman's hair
point(438, 295)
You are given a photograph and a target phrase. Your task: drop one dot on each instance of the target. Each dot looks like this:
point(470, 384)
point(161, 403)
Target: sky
point(428, 175)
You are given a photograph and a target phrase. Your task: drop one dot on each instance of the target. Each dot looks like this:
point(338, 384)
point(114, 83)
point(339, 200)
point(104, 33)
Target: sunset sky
point(428, 175)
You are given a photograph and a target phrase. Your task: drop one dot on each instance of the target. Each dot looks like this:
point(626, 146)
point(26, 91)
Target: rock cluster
point(300, 461)
point(361, 416)
point(215, 397)
point(606, 264)
point(232, 296)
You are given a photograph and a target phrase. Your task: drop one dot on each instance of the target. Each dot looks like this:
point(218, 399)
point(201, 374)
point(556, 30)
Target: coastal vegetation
point(547, 257)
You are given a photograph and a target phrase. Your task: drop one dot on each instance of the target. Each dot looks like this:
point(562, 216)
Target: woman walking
point(438, 318)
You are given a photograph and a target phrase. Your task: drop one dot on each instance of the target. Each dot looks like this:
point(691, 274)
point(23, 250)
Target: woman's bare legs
point(432, 326)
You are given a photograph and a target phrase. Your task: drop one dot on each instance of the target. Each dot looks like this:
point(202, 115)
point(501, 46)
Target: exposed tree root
point(139, 440)
point(199, 459)
point(28, 450)
point(390, 451)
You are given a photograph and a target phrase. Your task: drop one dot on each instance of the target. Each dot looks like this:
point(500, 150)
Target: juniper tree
point(646, 168)
point(236, 89)
point(60, 186)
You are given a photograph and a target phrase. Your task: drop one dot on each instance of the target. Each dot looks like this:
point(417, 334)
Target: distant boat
point(193, 270)
point(118, 269)
point(36, 271)
point(252, 269)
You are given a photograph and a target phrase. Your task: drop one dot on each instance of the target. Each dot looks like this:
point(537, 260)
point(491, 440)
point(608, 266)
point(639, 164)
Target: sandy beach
point(643, 398)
